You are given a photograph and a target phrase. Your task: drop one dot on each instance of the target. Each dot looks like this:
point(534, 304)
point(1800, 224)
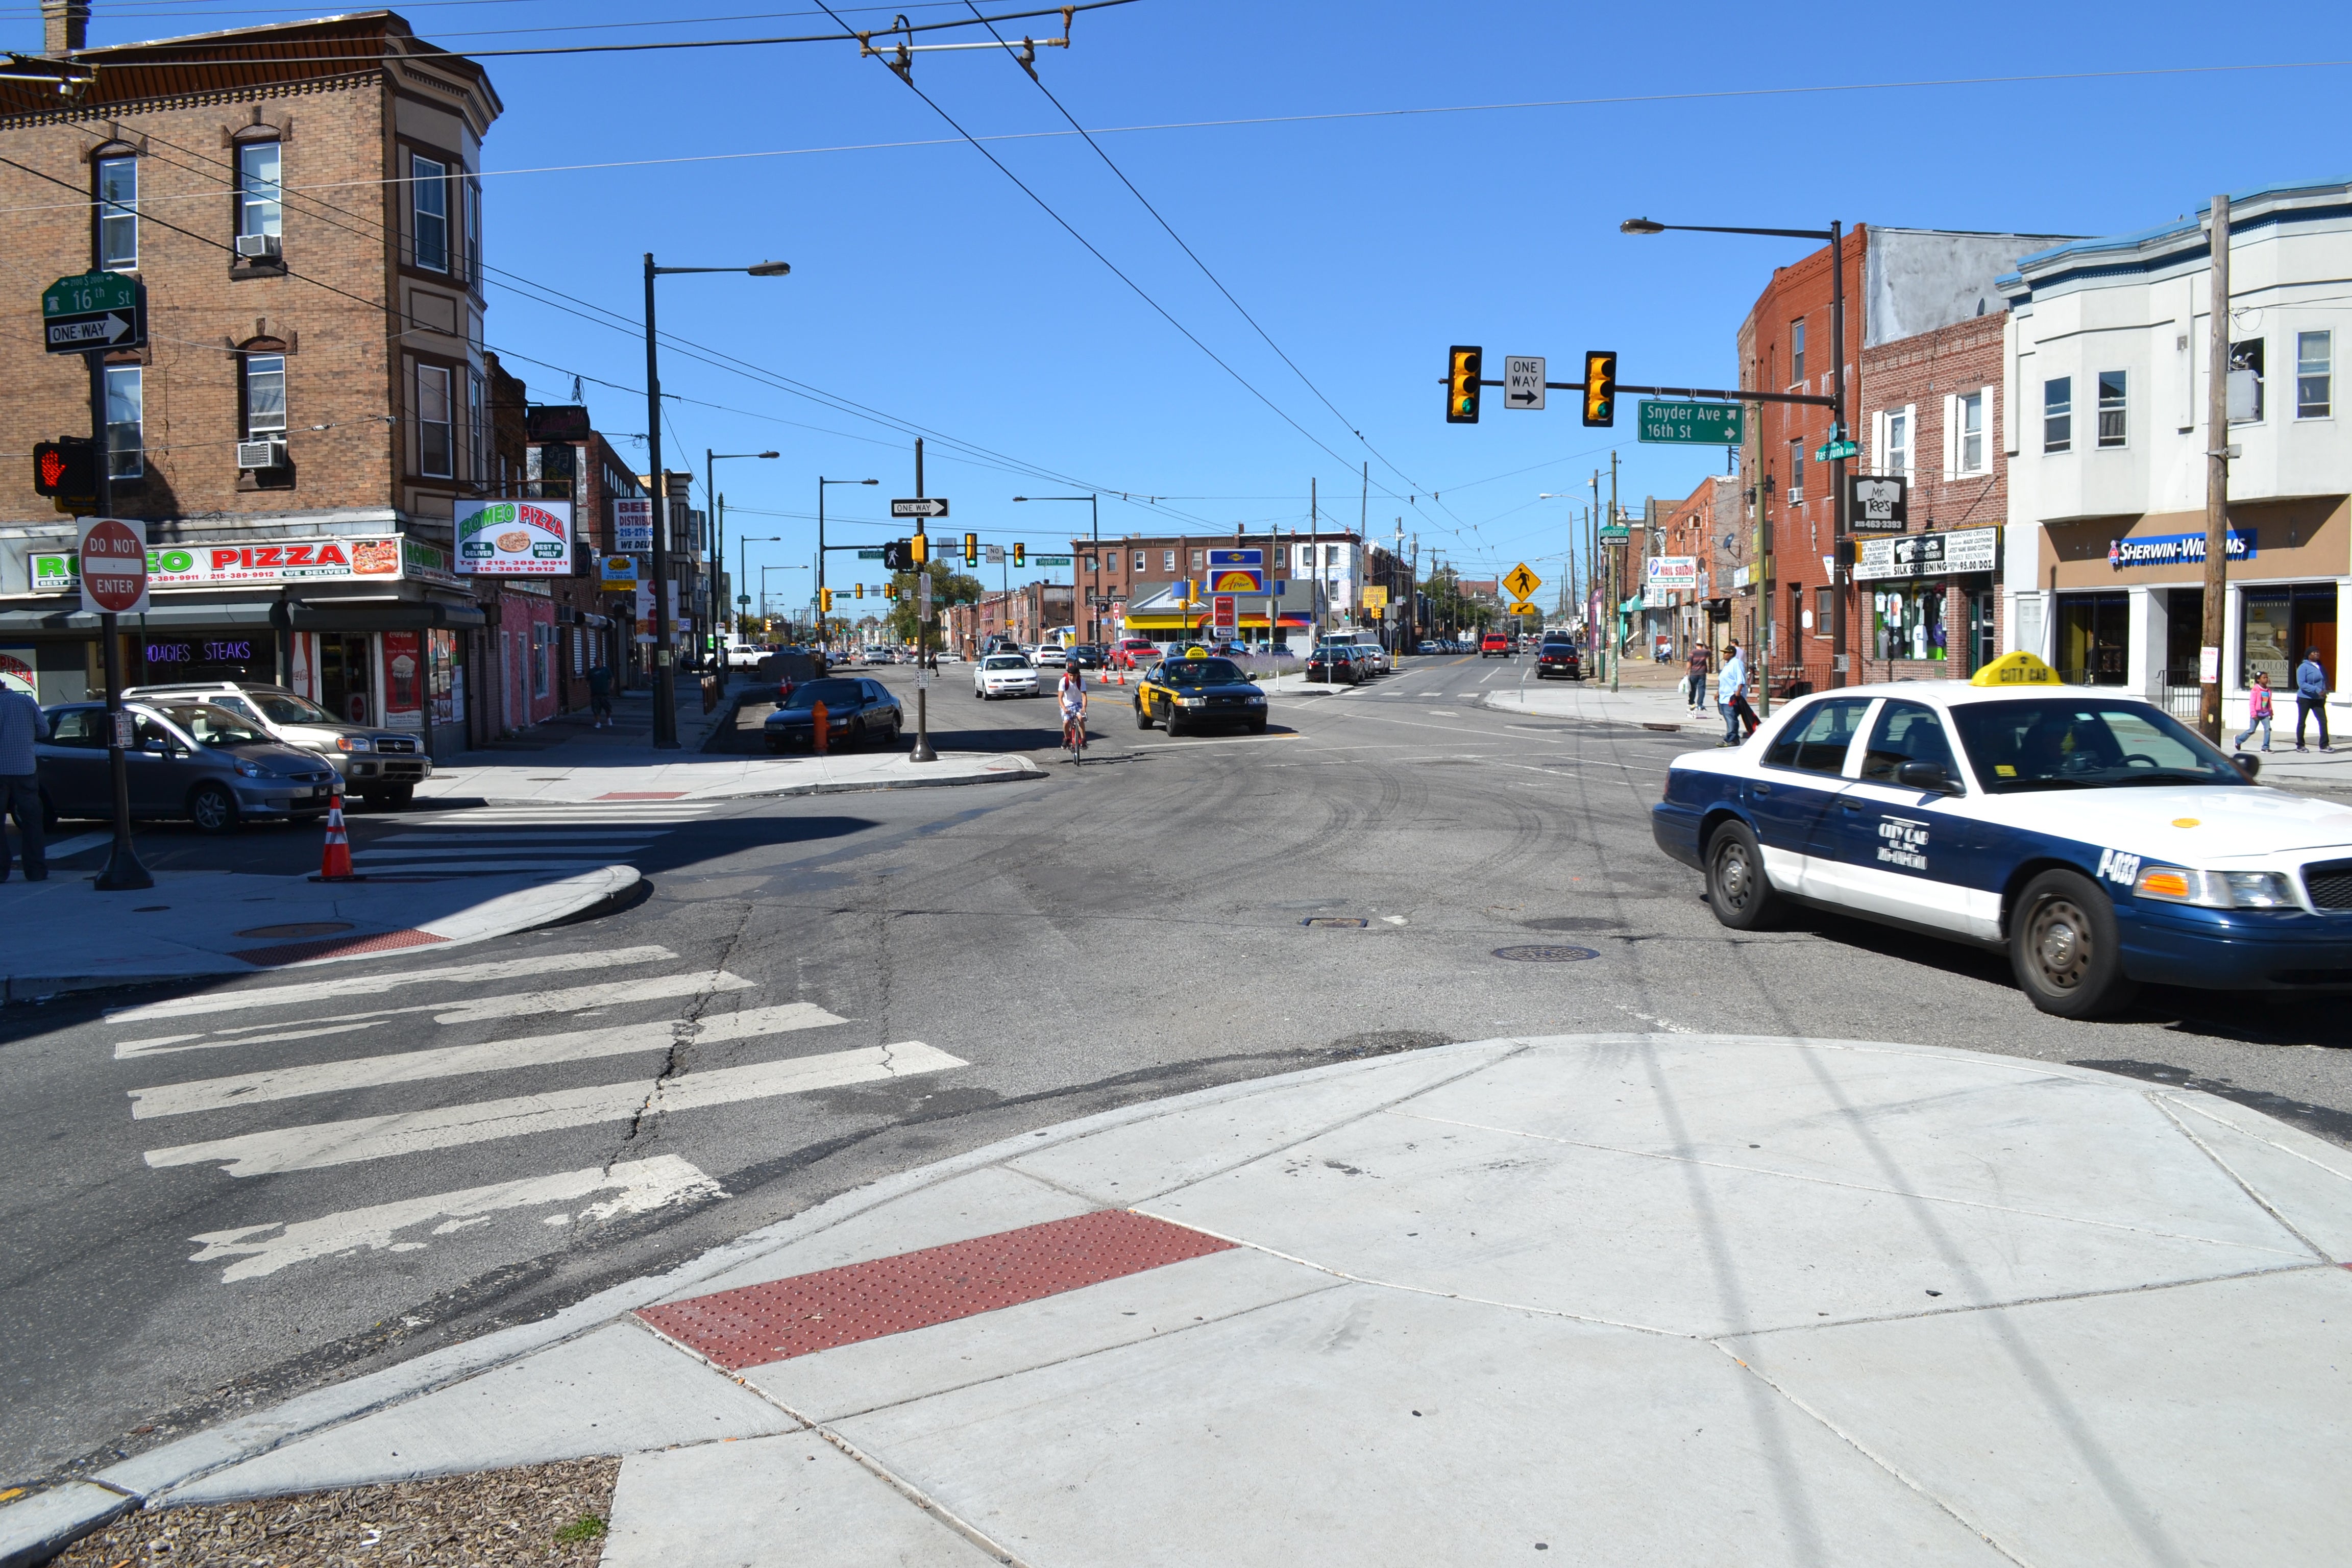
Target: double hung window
point(2058, 413)
point(2314, 375)
point(1797, 350)
point(125, 453)
point(1898, 442)
point(118, 215)
point(2114, 425)
point(1796, 471)
point(261, 198)
point(434, 449)
point(428, 196)
point(1968, 431)
point(265, 394)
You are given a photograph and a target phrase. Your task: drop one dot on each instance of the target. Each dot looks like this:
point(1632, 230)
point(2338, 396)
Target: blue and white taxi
point(2097, 839)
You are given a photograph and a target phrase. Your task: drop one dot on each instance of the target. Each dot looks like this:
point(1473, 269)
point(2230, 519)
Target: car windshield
point(832, 693)
point(1006, 662)
point(2087, 742)
point(1203, 672)
point(214, 726)
point(285, 707)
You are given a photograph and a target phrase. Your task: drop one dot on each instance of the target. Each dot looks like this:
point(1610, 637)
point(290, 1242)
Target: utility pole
point(1315, 560)
point(922, 751)
point(665, 684)
point(1838, 675)
point(1616, 583)
point(2216, 486)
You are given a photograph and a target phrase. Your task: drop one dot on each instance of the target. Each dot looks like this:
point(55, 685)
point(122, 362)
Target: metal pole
point(922, 751)
point(124, 872)
point(664, 684)
point(2217, 492)
point(1616, 578)
point(1837, 465)
point(711, 551)
point(1760, 573)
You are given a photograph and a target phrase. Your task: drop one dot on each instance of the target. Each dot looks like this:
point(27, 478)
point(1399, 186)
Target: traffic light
point(67, 468)
point(1019, 553)
point(919, 552)
point(1600, 388)
point(898, 555)
point(1461, 384)
point(824, 601)
point(971, 549)
point(861, 590)
point(768, 626)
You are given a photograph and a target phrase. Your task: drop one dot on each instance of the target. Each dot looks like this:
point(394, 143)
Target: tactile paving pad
point(835, 1306)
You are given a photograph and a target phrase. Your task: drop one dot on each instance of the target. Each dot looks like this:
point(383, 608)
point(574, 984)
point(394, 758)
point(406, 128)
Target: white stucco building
point(2106, 430)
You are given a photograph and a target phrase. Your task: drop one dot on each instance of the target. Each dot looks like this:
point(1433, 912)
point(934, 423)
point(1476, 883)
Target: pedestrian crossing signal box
point(65, 469)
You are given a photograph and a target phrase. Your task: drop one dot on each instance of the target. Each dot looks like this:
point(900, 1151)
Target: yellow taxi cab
point(1197, 690)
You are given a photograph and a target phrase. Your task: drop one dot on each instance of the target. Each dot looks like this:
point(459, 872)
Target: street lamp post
point(665, 684)
point(744, 571)
point(1094, 613)
point(718, 520)
point(821, 482)
point(1836, 235)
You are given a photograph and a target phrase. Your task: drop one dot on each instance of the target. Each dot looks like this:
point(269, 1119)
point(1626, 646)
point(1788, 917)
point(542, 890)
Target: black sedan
point(857, 712)
point(1195, 691)
point(1558, 658)
point(1086, 655)
point(1336, 666)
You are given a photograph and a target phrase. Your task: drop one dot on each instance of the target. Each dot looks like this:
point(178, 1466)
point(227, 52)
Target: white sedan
point(1004, 675)
point(2096, 839)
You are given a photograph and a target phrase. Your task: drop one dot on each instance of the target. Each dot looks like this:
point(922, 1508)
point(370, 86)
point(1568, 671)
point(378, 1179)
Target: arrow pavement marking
point(345, 1142)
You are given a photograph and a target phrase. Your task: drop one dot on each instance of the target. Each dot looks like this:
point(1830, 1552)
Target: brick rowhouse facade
point(301, 204)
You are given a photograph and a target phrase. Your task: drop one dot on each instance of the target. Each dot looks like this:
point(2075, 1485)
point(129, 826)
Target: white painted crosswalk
point(435, 1097)
point(488, 839)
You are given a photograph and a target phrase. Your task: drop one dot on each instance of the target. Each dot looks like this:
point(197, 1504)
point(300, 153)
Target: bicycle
point(1073, 739)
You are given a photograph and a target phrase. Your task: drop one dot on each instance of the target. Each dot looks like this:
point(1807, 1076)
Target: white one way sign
point(1523, 381)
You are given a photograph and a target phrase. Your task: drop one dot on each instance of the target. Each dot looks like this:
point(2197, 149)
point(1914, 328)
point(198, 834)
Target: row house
point(1124, 585)
point(1703, 528)
point(2107, 355)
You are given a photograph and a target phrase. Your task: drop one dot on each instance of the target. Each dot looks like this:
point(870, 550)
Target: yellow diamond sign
point(1522, 583)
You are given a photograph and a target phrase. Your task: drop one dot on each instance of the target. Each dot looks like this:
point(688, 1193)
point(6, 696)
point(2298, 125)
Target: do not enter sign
point(114, 565)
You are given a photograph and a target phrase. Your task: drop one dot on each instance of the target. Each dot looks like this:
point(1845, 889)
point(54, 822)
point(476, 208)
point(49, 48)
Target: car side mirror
point(2248, 764)
point(1925, 776)
point(156, 744)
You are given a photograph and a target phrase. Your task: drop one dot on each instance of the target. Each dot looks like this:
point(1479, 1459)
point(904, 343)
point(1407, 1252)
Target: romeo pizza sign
point(228, 565)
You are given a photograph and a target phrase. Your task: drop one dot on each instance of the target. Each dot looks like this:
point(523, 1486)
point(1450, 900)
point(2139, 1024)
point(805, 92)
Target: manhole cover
point(1343, 922)
point(300, 928)
point(1546, 954)
point(1573, 922)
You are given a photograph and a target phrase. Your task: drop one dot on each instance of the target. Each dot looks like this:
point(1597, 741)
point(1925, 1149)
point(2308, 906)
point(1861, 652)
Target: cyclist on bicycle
point(1074, 709)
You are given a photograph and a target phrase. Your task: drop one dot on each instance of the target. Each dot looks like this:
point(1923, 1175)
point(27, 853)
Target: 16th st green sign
point(94, 310)
point(1691, 424)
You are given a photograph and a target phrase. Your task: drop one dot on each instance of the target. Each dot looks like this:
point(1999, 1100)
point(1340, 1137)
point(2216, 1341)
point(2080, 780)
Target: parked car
point(1559, 658)
point(1086, 655)
point(857, 711)
point(381, 766)
point(1429, 645)
point(1376, 658)
point(1004, 675)
point(191, 760)
point(1131, 653)
point(1335, 664)
point(1050, 657)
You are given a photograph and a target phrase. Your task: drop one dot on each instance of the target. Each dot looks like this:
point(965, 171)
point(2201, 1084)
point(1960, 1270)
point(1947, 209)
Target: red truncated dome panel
point(835, 1306)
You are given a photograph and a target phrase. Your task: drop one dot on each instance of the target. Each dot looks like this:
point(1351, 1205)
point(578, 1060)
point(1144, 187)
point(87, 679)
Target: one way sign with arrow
point(107, 329)
point(1523, 381)
point(94, 310)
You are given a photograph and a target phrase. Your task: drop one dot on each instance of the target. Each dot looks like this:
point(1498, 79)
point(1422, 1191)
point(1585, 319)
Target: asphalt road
point(612, 1096)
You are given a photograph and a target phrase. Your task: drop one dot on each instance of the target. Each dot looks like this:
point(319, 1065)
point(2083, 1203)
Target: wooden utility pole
point(1616, 577)
point(2217, 483)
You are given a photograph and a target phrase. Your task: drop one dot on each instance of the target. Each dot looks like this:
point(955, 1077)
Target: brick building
point(301, 204)
point(1704, 527)
point(1123, 584)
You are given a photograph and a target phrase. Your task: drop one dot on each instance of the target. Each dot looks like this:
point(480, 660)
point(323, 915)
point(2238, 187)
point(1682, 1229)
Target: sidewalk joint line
point(1961, 1308)
point(2241, 1182)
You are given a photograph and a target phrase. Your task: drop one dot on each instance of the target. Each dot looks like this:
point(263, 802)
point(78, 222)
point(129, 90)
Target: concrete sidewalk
point(1591, 702)
point(65, 935)
point(1664, 1298)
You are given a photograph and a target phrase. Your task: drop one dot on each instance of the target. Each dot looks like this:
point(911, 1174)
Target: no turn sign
point(114, 565)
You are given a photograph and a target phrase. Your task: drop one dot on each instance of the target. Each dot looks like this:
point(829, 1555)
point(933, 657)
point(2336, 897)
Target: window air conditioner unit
point(261, 454)
point(259, 247)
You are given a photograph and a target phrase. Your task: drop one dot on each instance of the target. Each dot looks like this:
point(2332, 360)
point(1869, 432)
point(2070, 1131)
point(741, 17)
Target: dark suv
point(1558, 658)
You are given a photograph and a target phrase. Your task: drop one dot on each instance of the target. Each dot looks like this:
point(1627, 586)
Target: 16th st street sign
point(94, 310)
point(1691, 424)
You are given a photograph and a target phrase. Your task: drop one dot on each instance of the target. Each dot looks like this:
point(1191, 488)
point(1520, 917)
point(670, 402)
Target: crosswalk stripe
point(638, 1187)
point(374, 984)
point(325, 1143)
point(457, 1061)
point(453, 866)
point(456, 852)
point(570, 999)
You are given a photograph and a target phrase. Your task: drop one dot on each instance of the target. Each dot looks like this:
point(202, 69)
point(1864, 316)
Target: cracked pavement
point(1112, 934)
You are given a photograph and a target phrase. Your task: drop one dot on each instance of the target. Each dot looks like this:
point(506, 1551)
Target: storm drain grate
point(1546, 954)
point(1336, 922)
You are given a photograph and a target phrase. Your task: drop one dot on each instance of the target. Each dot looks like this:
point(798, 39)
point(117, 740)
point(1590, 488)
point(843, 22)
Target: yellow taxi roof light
point(1198, 653)
point(2020, 668)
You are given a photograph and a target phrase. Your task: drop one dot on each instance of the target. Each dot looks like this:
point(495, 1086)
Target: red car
point(1129, 652)
point(1493, 643)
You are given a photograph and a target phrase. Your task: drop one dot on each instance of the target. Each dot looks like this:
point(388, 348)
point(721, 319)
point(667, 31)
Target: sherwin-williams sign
point(233, 565)
point(2172, 549)
point(515, 538)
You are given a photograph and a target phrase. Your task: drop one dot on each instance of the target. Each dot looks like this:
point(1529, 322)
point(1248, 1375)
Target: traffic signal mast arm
point(1693, 392)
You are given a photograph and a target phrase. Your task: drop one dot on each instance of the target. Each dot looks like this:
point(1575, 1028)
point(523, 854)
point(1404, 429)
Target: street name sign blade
point(1523, 381)
point(869, 555)
point(1522, 583)
point(1830, 451)
point(1049, 561)
point(94, 310)
point(114, 565)
point(1675, 424)
point(920, 506)
point(1610, 535)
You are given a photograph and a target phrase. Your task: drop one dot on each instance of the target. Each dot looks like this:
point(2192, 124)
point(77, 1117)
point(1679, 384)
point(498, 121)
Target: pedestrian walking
point(1696, 681)
point(2310, 697)
point(1731, 696)
point(2258, 714)
point(20, 783)
point(600, 695)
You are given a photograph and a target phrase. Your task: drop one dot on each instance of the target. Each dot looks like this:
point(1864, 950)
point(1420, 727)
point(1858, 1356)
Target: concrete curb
point(45, 1523)
point(517, 911)
point(1502, 702)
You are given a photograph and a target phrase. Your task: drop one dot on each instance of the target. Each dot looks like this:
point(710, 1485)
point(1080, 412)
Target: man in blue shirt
point(2310, 697)
point(20, 784)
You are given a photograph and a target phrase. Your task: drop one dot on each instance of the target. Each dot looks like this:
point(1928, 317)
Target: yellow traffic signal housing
point(824, 600)
point(861, 590)
point(971, 549)
point(1461, 367)
point(1600, 388)
point(1020, 552)
point(920, 548)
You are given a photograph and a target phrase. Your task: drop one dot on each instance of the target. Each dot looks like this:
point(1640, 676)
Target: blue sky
point(928, 287)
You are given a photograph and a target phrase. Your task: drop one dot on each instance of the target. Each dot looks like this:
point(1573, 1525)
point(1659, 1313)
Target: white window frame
point(1796, 491)
point(433, 384)
point(2065, 443)
point(2120, 409)
point(1889, 458)
point(261, 213)
point(422, 185)
point(1956, 463)
point(2325, 375)
point(263, 365)
point(116, 216)
point(1797, 352)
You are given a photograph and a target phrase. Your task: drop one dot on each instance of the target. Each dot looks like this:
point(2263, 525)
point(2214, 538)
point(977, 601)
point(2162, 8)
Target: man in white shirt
point(1731, 696)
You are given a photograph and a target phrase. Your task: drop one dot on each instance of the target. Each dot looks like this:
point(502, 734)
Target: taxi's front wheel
point(1737, 889)
point(1142, 714)
point(2063, 945)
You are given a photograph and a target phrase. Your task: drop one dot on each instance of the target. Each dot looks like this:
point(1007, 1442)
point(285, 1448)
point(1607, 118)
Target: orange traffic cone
point(335, 866)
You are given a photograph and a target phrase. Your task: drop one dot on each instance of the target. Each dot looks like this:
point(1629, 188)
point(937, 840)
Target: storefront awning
point(406, 616)
point(162, 617)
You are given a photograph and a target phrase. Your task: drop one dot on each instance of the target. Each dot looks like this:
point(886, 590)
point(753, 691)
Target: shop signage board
point(1877, 504)
point(1673, 573)
point(116, 553)
point(1910, 555)
point(372, 559)
point(1376, 596)
point(1664, 422)
point(632, 525)
point(619, 573)
point(2173, 548)
point(514, 538)
point(1224, 612)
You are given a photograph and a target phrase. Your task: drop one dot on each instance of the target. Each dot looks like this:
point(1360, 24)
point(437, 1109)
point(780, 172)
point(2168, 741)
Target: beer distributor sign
point(514, 538)
point(235, 565)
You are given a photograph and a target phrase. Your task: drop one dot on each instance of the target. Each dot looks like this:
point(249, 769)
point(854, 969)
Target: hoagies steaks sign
point(227, 565)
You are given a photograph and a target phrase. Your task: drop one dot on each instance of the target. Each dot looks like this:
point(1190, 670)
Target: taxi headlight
point(2216, 889)
point(1190, 701)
